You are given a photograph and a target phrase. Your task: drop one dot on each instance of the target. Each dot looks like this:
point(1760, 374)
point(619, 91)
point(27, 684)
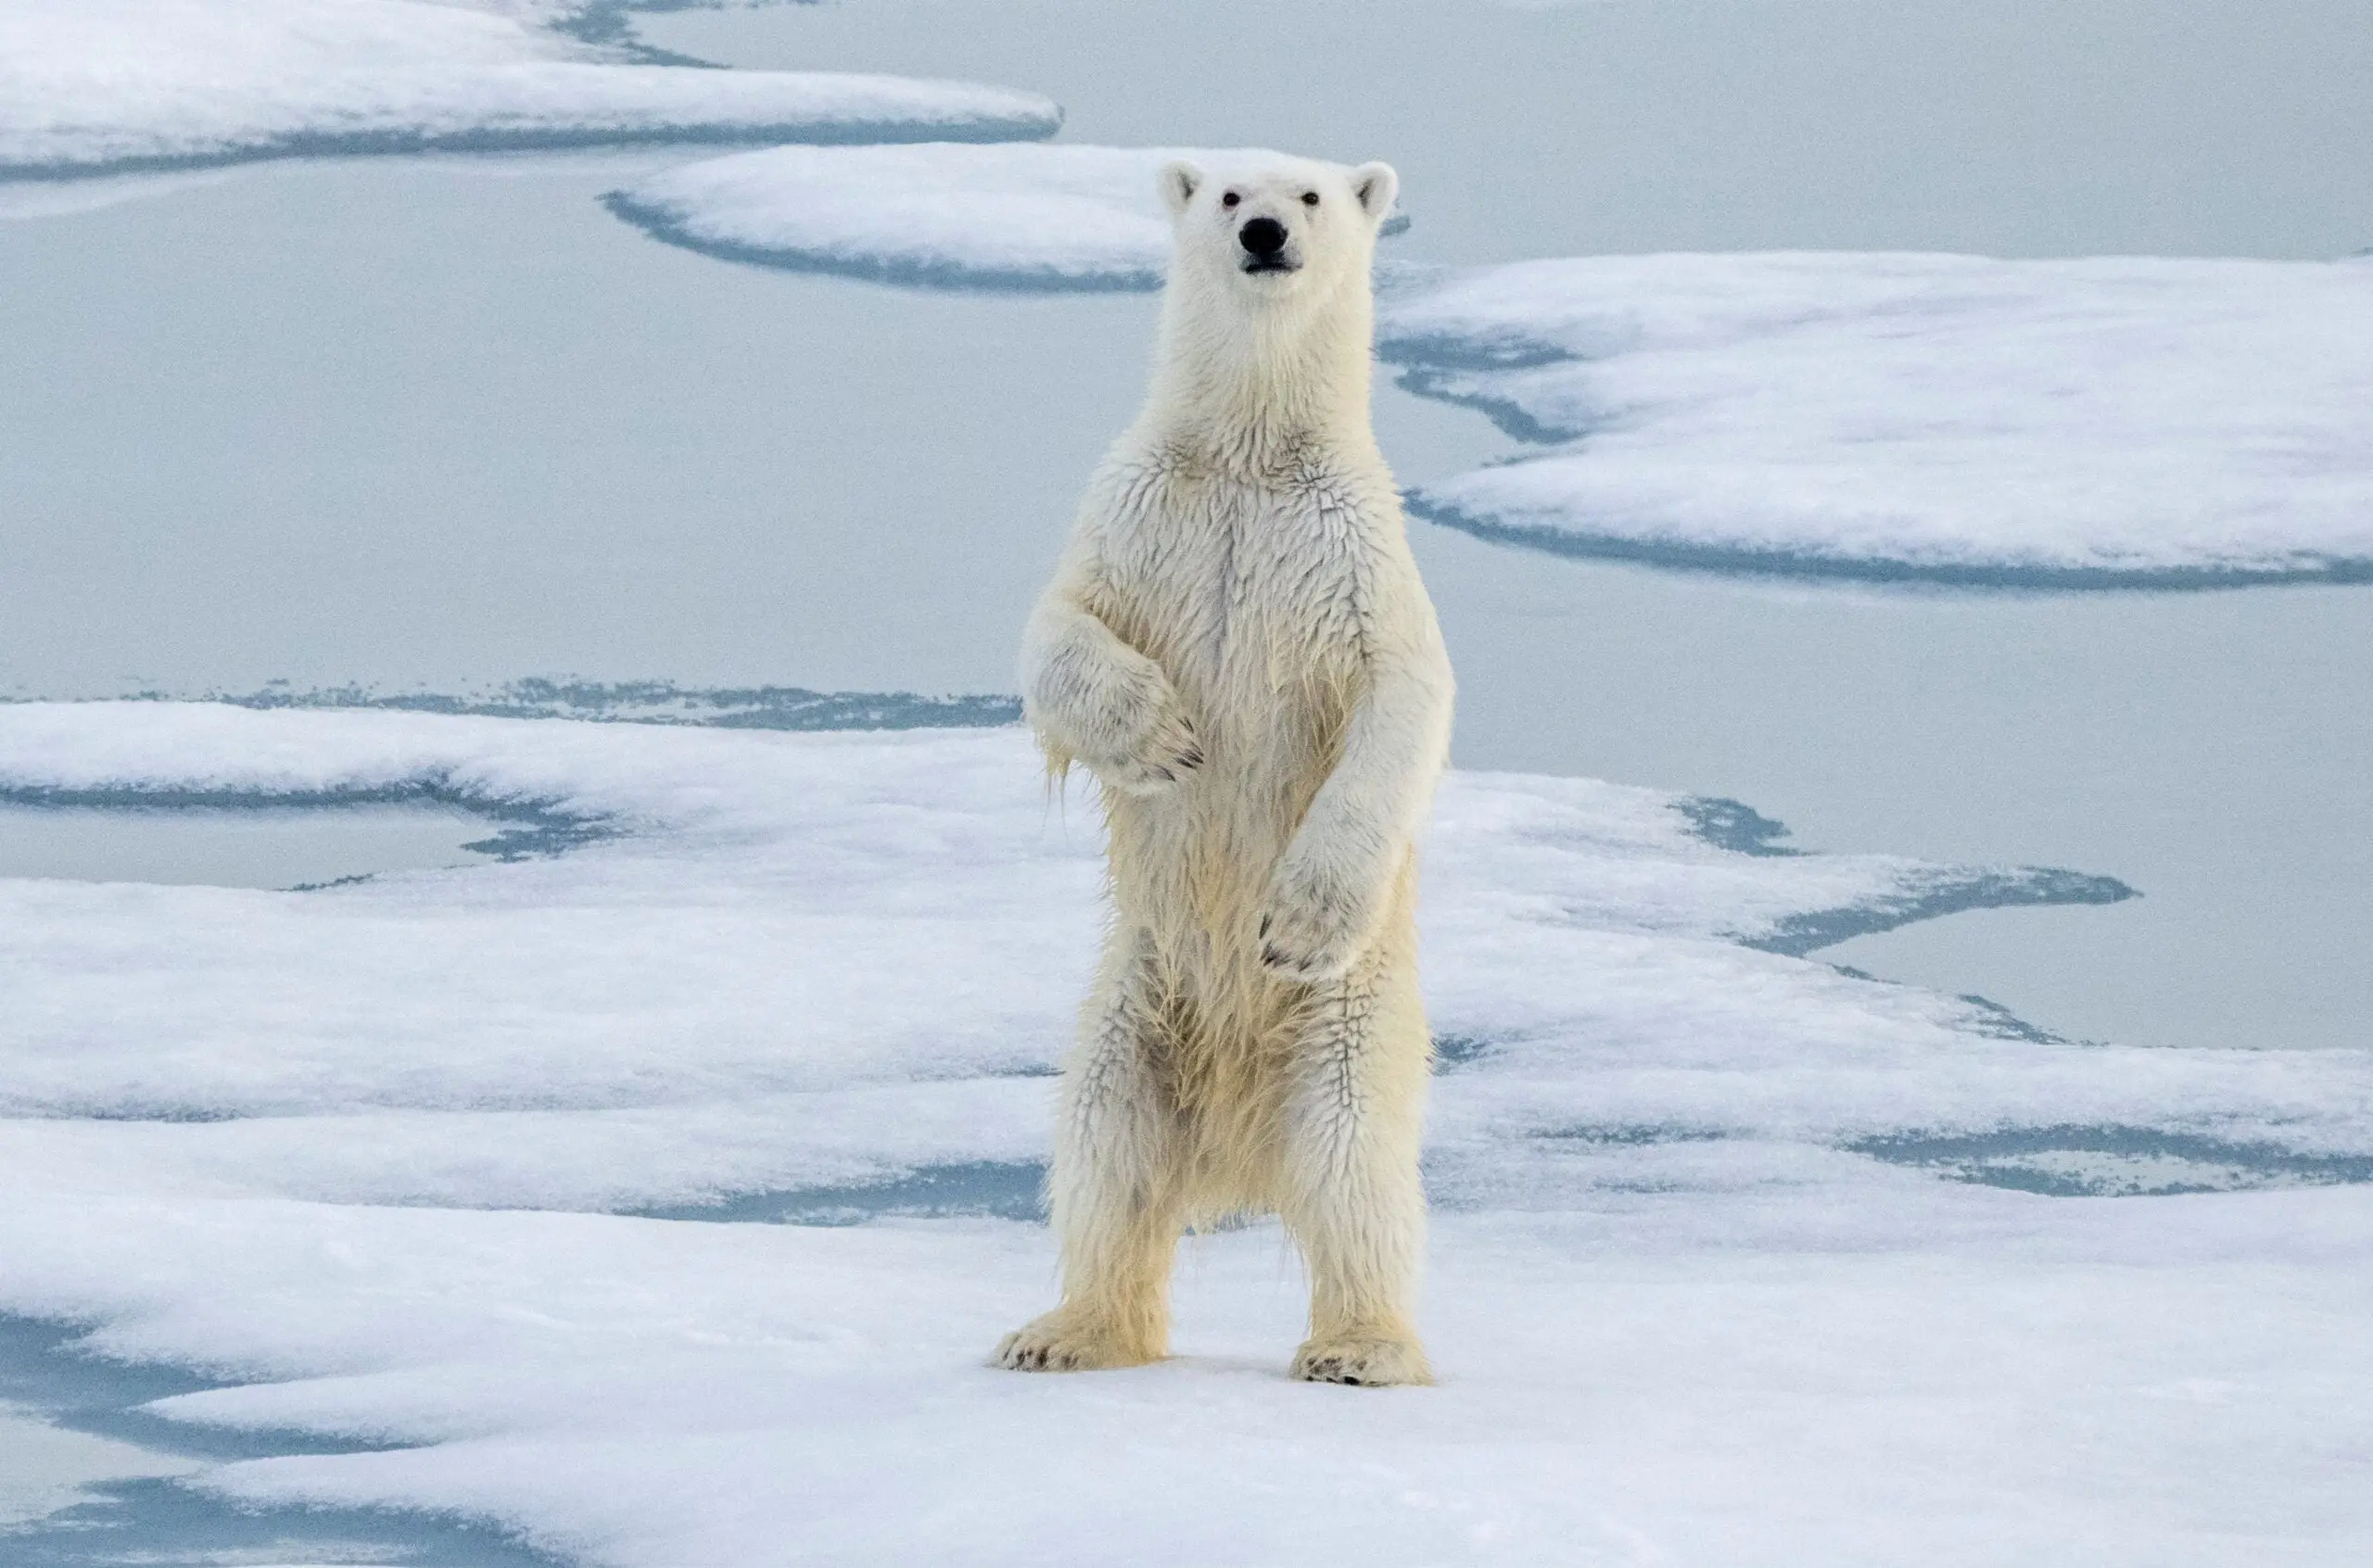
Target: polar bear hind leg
point(1353, 1200)
point(1117, 1183)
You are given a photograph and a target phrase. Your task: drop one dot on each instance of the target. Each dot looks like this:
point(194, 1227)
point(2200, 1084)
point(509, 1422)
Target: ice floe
point(1725, 1268)
point(658, 702)
point(2099, 421)
point(1052, 217)
point(2103, 422)
point(89, 85)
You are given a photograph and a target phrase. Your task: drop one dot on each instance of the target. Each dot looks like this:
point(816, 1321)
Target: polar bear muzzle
point(1266, 247)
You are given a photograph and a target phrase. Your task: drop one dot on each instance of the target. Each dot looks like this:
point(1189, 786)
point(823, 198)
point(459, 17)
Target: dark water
point(112, 1498)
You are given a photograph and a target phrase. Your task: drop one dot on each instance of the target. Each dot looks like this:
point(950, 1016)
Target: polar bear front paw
point(1166, 752)
point(1367, 1361)
point(1142, 742)
point(1058, 1341)
point(1311, 932)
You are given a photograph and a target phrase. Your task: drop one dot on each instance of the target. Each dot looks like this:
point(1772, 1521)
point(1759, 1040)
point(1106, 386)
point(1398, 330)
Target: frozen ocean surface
point(1039, 216)
point(89, 85)
point(2134, 422)
point(376, 1161)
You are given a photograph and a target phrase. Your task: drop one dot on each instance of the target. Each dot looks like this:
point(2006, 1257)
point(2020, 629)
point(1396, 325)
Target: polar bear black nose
point(1263, 237)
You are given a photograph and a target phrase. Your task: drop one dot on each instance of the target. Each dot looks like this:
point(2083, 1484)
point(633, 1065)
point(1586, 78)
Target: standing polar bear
point(1236, 644)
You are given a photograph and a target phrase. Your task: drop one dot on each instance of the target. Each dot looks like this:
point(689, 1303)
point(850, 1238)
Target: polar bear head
point(1273, 233)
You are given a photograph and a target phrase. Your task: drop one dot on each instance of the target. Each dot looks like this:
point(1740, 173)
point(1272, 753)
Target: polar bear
point(1237, 646)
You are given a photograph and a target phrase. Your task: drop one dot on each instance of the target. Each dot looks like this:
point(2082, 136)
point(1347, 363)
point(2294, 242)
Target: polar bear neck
point(1262, 388)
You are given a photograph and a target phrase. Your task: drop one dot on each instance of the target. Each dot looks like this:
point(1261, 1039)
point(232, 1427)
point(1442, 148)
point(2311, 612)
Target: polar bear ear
point(1376, 184)
point(1180, 181)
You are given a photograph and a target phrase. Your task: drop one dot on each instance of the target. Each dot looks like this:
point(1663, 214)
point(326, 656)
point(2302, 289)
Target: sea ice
point(91, 86)
point(1725, 1267)
point(2105, 422)
point(2102, 421)
point(659, 701)
point(1053, 217)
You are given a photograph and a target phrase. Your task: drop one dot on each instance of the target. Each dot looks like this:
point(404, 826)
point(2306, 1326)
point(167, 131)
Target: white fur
point(1236, 644)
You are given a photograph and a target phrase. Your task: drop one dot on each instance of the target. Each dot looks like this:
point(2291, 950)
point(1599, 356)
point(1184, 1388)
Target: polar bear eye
point(1310, 199)
point(1230, 199)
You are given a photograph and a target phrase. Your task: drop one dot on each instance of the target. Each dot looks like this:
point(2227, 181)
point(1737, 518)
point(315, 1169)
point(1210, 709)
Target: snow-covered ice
point(658, 701)
point(87, 85)
point(381, 1159)
point(2101, 422)
point(1053, 216)
point(383, 1163)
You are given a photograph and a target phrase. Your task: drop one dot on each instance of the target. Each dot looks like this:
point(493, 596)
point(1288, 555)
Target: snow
point(374, 1155)
point(1055, 216)
point(2099, 421)
point(88, 85)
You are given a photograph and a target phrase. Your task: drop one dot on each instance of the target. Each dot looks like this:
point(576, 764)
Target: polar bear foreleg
point(1353, 1199)
point(1092, 697)
point(1115, 1188)
point(1349, 860)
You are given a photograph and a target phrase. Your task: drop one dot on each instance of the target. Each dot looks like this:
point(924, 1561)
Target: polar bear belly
point(1230, 590)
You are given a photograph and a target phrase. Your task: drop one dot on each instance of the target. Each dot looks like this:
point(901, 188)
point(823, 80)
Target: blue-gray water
point(234, 848)
point(1535, 128)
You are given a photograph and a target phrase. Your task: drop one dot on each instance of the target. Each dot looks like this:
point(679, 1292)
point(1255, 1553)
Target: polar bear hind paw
point(1058, 1342)
point(1362, 1360)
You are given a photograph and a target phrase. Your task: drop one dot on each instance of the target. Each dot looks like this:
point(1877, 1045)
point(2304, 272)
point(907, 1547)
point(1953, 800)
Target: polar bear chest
point(1248, 595)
